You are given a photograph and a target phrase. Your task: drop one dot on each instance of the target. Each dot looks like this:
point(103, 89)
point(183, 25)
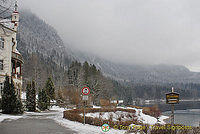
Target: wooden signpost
point(172, 98)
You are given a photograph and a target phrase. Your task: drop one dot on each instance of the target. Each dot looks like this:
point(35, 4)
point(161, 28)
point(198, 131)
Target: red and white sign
point(85, 90)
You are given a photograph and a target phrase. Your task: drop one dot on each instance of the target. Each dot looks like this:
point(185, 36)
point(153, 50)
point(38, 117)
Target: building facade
point(10, 59)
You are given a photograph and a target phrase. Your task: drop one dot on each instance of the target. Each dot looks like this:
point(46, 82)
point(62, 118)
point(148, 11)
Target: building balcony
point(17, 62)
point(17, 56)
point(17, 76)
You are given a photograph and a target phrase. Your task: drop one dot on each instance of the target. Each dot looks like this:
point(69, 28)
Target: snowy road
point(33, 126)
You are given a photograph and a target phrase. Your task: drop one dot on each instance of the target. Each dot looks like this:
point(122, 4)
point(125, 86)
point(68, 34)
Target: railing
point(17, 76)
point(17, 56)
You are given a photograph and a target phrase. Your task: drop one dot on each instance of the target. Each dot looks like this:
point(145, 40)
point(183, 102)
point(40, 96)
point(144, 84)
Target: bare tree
point(6, 9)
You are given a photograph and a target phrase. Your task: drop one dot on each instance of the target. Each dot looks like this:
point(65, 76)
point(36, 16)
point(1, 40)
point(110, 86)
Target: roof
point(6, 23)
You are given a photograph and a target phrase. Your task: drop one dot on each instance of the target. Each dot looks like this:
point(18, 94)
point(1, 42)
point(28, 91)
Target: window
point(1, 43)
point(1, 64)
point(1, 88)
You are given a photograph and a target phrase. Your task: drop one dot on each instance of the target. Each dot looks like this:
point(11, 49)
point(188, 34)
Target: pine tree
point(7, 97)
point(43, 100)
point(50, 89)
point(28, 90)
point(10, 103)
point(31, 97)
point(18, 107)
point(86, 72)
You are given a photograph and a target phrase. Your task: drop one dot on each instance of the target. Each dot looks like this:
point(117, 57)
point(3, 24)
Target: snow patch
point(79, 127)
point(125, 116)
point(10, 117)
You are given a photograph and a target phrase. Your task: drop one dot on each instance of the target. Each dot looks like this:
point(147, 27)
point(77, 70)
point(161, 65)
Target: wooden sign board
point(172, 98)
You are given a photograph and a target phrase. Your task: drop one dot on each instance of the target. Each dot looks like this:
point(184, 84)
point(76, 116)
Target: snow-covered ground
point(8, 117)
point(147, 119)
point(56, 113)
point(90, 129)
point(79, 127)
point(125, 116)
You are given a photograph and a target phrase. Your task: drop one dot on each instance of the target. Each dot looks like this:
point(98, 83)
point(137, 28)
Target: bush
point(152, 111)
point(74, 115)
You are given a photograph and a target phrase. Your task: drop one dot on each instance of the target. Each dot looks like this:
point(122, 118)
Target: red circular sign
point(85, 90)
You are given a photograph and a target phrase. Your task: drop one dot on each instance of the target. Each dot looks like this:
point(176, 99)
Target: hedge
point(74, 115)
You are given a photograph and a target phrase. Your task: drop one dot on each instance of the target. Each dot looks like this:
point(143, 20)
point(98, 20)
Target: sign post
point(172, 98)
point(85, 92)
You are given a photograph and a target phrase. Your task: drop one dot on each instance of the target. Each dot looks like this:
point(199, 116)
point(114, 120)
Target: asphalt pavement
point(33, 126)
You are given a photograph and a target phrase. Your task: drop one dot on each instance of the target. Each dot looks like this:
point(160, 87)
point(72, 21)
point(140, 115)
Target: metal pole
point(84, 112)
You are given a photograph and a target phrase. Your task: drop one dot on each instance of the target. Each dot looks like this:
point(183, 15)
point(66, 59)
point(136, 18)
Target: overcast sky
point(127, 31)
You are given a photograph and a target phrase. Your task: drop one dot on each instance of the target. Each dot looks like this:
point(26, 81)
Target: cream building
point(10, 59)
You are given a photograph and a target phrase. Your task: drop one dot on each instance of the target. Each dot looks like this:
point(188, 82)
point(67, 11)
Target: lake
point(190, 117)
point(186, 112)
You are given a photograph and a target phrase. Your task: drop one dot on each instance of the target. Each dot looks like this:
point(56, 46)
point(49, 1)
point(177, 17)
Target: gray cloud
point(127, 31)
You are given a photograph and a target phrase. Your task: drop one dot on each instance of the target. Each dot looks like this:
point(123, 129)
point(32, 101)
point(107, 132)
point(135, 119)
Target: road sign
point(85, 97)
point(85, 90)
point(172, 98)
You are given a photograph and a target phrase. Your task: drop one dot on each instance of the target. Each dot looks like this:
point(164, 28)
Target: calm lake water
point(190, 117)
point(186, 112)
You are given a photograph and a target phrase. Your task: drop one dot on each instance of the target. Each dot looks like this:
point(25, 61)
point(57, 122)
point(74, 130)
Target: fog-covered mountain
point(43, 50)
point(148, 74)
point(36, 36)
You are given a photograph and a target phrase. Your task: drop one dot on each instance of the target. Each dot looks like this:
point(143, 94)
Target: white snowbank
point(57, 108)
point(9, 117)
point(90, 129)
point(84, 129)
point(146, 119)
point(96, 106)
point(125, 116)
point(79, 127)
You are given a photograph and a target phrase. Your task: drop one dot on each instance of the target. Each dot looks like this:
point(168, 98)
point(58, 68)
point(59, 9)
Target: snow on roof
point(16, 51)
point(7, 23)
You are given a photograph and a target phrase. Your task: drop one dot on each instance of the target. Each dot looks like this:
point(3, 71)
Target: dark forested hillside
point(37, 36)
point(43, 50)
point(146, 74)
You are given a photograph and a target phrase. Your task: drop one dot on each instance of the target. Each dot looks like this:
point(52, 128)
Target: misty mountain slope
point(37, 36)
point(43, 51)
point(160, 74)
